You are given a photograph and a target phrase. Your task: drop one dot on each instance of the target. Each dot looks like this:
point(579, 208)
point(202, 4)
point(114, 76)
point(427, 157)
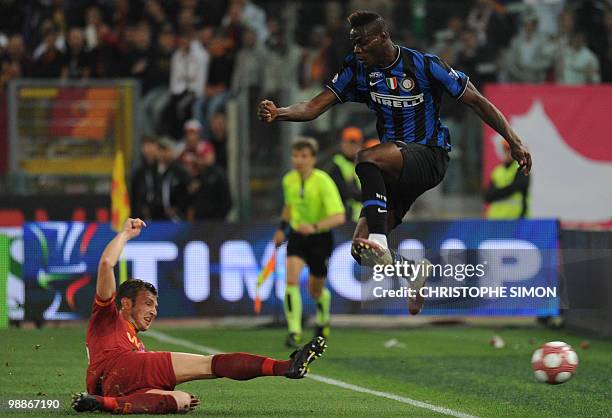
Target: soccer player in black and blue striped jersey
point(404, 87)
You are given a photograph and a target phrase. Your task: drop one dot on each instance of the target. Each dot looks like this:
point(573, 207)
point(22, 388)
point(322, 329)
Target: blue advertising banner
point(211, 269)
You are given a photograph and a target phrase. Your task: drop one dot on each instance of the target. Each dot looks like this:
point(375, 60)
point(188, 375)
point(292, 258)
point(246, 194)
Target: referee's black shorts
point(314, 249)
point(423, 169)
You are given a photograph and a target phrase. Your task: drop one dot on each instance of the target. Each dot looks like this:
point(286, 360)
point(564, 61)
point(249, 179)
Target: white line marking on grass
point(165, 338)
point(160, 336)
point(398, 398)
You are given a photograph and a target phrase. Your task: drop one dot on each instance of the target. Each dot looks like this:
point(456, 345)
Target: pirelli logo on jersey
point(396, 101)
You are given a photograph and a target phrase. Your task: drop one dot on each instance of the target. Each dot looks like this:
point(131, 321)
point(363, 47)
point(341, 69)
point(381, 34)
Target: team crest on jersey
point(407, 84)
point(391, 82)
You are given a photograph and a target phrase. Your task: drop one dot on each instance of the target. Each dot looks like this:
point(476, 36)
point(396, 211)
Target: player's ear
point(126, 303)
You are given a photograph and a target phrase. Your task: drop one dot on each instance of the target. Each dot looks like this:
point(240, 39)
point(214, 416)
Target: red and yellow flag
point(120, 200)
point(261, 279)
point(120, 205)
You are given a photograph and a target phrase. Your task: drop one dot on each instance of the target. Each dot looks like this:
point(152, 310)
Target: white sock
point(380, 239)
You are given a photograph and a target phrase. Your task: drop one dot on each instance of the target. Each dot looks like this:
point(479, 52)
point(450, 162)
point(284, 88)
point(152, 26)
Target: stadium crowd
point(192, 56)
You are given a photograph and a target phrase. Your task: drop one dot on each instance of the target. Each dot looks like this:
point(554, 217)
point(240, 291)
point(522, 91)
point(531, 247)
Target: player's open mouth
point(148, 320)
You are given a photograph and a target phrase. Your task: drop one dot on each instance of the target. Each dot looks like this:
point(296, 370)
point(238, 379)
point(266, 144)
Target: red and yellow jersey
point(108, 336)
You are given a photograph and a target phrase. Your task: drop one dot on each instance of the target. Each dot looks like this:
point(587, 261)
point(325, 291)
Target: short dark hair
point(363, 17)
point(306, 143)
point(131, 288)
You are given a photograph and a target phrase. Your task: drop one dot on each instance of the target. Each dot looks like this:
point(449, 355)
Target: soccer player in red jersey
point(122, 377)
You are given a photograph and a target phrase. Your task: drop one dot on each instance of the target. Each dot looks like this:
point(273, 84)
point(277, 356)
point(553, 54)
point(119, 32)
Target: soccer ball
point(555, 362)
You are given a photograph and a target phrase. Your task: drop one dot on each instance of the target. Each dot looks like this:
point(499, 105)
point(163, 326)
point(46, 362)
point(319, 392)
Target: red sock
point(245, 366)
point(139, 403)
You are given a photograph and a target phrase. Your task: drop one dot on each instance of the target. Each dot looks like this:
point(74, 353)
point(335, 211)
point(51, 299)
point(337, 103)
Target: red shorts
point(138, 372)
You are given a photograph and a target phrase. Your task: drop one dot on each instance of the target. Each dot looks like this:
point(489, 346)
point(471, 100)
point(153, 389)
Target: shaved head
point(364, 17)
point(365, 23)
point(370, 38)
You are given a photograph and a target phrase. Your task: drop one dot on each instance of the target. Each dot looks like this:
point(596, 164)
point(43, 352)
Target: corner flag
point(120, 205)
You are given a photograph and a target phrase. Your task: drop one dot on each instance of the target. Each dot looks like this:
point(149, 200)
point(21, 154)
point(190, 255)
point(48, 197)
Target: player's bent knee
point(365, 156)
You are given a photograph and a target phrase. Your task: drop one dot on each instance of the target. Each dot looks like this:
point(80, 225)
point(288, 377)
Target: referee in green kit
point(312, 208)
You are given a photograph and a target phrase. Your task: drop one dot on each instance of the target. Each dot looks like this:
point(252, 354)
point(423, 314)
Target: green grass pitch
point(450, 367)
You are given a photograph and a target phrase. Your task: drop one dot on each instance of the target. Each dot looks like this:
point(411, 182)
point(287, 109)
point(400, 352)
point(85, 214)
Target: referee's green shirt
point(312, 200)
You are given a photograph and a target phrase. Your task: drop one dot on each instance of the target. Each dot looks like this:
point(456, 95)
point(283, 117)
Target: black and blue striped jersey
point(406, 95)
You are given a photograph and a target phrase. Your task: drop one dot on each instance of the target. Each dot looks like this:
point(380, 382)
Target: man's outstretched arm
point(105, 286)
point(299, 112)
point(496, 120)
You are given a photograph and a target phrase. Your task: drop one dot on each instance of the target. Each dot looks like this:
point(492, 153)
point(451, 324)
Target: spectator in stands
point(336, 30)
point(579, 65)
point(216, 92)
point(283, 61)
point(93, 25)
point(342, 171)
point(138, 56)
point(449, 37)
point(77, 61)
point(157, 78)
point(194, 147)
point(218, 138)
point(211, 197)
point(49, 62)
point(144, 197)
point(157, 17)
point(249, 64)
point(607, 62)
point(188, 74)
point(248, 13)
point(46, 29)
point(17, 55)
point(314, 59)
point(186, 23)
point(489, 19)
point(508, 193)
point(8, 71)
point(173, 184)
point(476, 59)
point(529, 55)
point(590, 21)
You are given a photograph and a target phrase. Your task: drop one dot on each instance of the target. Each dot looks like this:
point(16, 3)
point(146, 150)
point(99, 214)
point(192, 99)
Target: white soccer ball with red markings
point(555, 362)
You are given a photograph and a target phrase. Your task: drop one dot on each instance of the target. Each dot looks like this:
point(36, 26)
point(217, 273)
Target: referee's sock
point(374, 197)
point(293, 309)
point(323, 304)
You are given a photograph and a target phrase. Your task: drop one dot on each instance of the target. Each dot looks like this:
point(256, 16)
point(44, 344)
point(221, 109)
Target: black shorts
point(423, 169)
point(314, 249)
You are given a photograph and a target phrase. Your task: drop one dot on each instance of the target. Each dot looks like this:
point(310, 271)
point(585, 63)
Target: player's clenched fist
point(267, 111)
point(132, 227)
point(522, 156)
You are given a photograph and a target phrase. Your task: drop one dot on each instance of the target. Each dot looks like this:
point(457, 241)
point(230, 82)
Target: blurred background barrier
point(63, 135)
point(566, 129)
point(205, 269)
point(589, 278)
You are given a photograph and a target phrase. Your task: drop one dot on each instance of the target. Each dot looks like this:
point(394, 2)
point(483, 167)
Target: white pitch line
point(160, 336)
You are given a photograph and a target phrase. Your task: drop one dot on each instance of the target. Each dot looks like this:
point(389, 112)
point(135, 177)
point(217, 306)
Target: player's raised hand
point(132, 227)
point(267, 111)
point(522, 156)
